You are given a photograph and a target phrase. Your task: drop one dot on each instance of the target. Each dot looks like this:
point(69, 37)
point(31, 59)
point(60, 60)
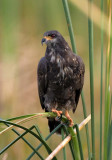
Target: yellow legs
point(57, 112)
point(69, 118)
point(66, 115)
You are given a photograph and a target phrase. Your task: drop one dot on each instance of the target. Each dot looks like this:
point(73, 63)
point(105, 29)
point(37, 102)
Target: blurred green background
point(22, 25)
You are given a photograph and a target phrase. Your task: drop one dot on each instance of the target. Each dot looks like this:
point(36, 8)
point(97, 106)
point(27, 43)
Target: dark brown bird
point(60, 76)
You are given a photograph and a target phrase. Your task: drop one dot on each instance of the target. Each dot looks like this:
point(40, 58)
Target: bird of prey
point(60, 77)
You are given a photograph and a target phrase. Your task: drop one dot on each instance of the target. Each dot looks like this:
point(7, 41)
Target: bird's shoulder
point(42, 66)
point(76, 62)
point(80, 62)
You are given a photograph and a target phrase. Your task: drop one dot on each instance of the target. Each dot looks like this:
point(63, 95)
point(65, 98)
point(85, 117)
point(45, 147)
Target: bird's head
point(51, 37)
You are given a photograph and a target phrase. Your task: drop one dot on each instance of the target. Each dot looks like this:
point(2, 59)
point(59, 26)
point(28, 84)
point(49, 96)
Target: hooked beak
point(45, 39)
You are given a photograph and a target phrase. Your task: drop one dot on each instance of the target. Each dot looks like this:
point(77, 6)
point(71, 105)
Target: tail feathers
point(53, 124)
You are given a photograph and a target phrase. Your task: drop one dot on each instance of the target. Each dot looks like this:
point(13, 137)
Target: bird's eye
point(53, 35)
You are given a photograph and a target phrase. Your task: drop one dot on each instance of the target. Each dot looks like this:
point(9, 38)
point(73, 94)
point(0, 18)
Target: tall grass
point(90, 31)
point(101, 80)
point(105, 142)
point(107, 83)
point(71, 34)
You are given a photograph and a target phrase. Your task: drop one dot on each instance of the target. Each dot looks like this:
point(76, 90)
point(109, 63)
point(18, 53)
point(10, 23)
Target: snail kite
point(60, 77)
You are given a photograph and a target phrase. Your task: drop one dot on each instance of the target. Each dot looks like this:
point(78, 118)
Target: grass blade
point(68, 138)
point(69, 23)
point(107, 83)
point(31, 155)
point(31, 117)
point(79, 141)
point(90, 30)
point(109, 153)
point(31, 132)
point(75, 143)
point(21, 136)
point(38, 131)
point(21, 117)
point(101, 80)
point(64, 151)
point(24, 139)
point(86, 126)
point(110, 114)
point(70, 143)
point(106, 123)
point(71, 33)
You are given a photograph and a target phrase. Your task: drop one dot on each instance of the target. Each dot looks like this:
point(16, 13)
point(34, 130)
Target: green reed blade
point(106, 123)
point(31, 132)
point(110, 114)
point(71, 33)
point(107, 83)
point(38, 131)
point(75, 143)
point(90, 31)
point(86, 126)
point(69, 24)
point(109, 152)
point(64, 151)
point(79, 141)
point(70, 142)
point(31, 155)
point(21, 137)
point(101, 80)
point(21, 117)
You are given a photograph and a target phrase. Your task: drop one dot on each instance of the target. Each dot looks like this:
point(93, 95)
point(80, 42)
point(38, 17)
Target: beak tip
point(43, 41)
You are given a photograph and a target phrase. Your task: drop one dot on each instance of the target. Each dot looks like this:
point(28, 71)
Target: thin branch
point(67, 139)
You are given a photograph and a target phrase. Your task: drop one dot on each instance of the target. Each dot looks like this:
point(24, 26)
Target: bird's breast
point(58, 66)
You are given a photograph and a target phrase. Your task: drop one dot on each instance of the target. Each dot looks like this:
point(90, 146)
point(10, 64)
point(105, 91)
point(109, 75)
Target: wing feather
point(79, 71)
point(42, 80)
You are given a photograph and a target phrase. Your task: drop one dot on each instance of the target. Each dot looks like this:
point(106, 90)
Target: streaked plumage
point(60, 76)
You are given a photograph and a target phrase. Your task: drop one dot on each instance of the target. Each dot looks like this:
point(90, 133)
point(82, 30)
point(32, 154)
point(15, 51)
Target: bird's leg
point(59, 118)
point(57, 112)
point(69, 118)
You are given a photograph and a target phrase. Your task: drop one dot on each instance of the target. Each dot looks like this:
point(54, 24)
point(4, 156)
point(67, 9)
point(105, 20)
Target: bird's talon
point(71, 124)
point(57, 118)
point(69, 119)
point(57, 112)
